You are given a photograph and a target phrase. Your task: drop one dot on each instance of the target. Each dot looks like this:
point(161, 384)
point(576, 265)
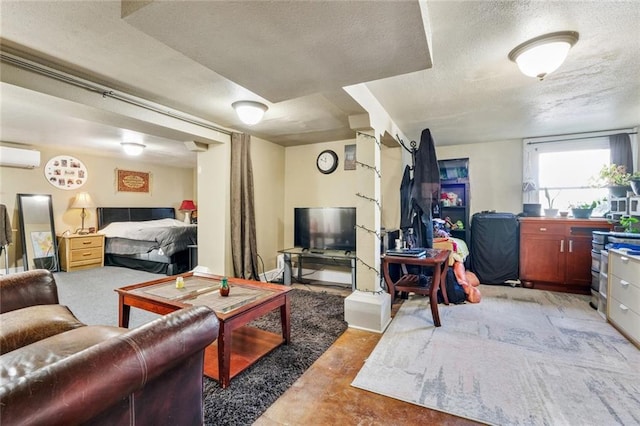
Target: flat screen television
point(325, 228)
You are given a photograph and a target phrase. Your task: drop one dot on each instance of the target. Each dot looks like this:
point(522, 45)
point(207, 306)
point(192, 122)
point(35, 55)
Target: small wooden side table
point(435, 258)
point(81, 251)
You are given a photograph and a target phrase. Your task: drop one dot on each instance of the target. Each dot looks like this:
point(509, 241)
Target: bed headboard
point(107, 215)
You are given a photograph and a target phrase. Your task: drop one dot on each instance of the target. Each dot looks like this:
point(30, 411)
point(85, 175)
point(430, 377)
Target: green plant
point(550, 199)
point(583, 205)
point(611, 175)
point(627, 222)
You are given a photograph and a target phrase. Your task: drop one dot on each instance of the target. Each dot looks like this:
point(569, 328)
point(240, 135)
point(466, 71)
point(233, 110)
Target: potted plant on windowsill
point(583, 210)
point(614, 177)
point(550, 212)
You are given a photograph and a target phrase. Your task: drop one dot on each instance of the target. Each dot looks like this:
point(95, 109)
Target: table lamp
point(187, 207)
point(83, 201)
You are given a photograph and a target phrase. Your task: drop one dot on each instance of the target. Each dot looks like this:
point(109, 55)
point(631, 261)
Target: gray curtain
point(620, 150)
point(244, 250)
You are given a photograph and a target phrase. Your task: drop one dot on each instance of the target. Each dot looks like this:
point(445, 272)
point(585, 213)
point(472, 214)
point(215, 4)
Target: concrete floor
point(323, 395)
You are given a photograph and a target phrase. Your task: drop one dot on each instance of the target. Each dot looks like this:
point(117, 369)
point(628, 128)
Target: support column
point(214, 241)
point(369, 306)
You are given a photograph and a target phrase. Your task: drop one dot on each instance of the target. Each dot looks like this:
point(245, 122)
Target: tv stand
point(339, 258)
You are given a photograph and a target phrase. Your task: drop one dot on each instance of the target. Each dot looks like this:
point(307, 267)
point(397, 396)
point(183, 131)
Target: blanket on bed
point(168, 240)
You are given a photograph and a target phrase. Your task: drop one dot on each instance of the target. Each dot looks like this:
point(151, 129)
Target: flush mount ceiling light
point(249, 112)
point(544, 54)
point(132, 148)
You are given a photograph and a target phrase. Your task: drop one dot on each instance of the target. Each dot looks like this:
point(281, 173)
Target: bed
point(146, 238)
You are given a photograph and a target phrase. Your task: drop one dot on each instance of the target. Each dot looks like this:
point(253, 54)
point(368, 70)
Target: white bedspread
point(139, 230)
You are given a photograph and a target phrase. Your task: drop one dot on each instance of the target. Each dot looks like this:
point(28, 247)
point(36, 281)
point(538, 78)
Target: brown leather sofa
point(55, 370)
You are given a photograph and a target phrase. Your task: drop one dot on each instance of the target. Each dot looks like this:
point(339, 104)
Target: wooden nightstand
point(81, 251)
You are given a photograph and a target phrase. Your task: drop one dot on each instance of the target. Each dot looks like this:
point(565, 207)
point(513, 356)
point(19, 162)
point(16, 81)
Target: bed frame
point(152, 261)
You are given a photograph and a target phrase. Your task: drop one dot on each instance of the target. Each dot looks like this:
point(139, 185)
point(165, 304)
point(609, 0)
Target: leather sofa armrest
point(88, 383)
point(37, 287)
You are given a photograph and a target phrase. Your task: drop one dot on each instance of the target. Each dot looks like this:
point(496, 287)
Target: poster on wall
point(350, 157)
point(132, 181)
point(66, 172)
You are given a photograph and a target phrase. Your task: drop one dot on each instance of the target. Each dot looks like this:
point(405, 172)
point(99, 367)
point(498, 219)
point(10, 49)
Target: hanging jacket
point(5, 226)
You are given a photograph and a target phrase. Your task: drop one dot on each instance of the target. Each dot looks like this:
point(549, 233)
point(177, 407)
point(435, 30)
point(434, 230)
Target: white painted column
point(214, 223)
point(369, 307)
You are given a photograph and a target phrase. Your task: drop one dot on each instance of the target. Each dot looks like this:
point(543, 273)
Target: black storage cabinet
point(495, 247)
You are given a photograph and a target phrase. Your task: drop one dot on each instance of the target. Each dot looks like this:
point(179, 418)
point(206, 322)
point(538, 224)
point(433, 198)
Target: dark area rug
point(317, 320)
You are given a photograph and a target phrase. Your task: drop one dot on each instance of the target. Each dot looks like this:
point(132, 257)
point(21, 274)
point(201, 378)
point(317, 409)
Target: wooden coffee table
point(238, 346)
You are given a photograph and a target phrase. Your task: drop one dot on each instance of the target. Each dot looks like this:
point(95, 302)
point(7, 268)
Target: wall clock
point(66, 172)
point(327, 161)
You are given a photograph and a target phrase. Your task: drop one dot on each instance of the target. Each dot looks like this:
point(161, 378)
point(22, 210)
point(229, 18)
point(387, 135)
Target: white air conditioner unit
point(18, 157)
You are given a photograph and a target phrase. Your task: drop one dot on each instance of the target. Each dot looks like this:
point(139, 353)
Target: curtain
point(244, 250)
point(620, 149)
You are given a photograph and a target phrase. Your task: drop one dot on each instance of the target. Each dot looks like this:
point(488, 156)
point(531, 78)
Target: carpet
point(520, 357)
point(317, 320)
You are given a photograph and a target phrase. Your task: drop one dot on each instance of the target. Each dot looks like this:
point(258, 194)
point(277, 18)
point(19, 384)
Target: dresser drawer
point(86, 242)
point(543, 228)
point(625, 318)
point(86, 254)
point(625, 268)
point(626, 293)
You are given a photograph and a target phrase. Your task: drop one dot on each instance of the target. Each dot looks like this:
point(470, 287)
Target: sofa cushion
point(28, 288)
point(44, 352)
point(27, 325)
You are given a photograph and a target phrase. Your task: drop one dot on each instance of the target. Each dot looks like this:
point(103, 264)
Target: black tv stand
point(339, 258)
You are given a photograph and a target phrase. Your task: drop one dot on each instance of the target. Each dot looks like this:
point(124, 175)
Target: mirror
point(39, 246)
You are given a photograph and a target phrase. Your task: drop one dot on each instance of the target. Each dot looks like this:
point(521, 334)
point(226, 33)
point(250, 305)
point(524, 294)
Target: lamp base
point(187, 217)
point(82, 231)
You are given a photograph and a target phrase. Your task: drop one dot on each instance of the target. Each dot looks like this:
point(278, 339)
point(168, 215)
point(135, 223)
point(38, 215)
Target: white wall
point(305, 186)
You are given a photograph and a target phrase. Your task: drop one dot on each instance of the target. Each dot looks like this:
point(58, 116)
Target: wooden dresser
point(81, 251)
point(623, 298)
point(555, 253)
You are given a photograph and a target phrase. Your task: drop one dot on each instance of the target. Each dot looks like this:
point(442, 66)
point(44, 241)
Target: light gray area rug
point(90, 294)
point(520, 357)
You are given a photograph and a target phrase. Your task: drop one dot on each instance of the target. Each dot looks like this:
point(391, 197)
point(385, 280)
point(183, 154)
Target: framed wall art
point(350, 157)
point(132, 181)
point(66, 172)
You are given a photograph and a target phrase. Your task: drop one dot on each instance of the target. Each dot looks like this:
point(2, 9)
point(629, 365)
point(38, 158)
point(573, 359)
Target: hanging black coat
point(425, 190)
point(406, 209)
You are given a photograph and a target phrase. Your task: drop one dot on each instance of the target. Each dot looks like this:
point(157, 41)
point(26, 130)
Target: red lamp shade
point(187, 205)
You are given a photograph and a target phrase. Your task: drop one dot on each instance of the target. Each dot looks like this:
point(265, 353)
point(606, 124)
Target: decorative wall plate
point(66, 172)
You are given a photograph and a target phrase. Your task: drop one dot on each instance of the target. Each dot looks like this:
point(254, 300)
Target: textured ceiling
point(274, 49)
point(199, 57)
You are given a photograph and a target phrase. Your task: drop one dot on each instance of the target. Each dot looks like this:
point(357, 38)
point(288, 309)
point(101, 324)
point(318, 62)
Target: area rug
point(317, 320)
point(520, 357)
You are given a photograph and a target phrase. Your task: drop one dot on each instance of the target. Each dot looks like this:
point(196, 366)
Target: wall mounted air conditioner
point(18, 157)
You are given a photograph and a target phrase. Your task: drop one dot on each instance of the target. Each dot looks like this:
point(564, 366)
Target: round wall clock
point(66, 172)
point(327, 161)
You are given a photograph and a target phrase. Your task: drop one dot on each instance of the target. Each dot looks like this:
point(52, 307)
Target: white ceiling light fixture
point(542, 55)
point(249, 112)
point(132, 148)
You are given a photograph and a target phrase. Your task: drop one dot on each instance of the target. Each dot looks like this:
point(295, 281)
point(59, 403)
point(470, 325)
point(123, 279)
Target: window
point(565, 169)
